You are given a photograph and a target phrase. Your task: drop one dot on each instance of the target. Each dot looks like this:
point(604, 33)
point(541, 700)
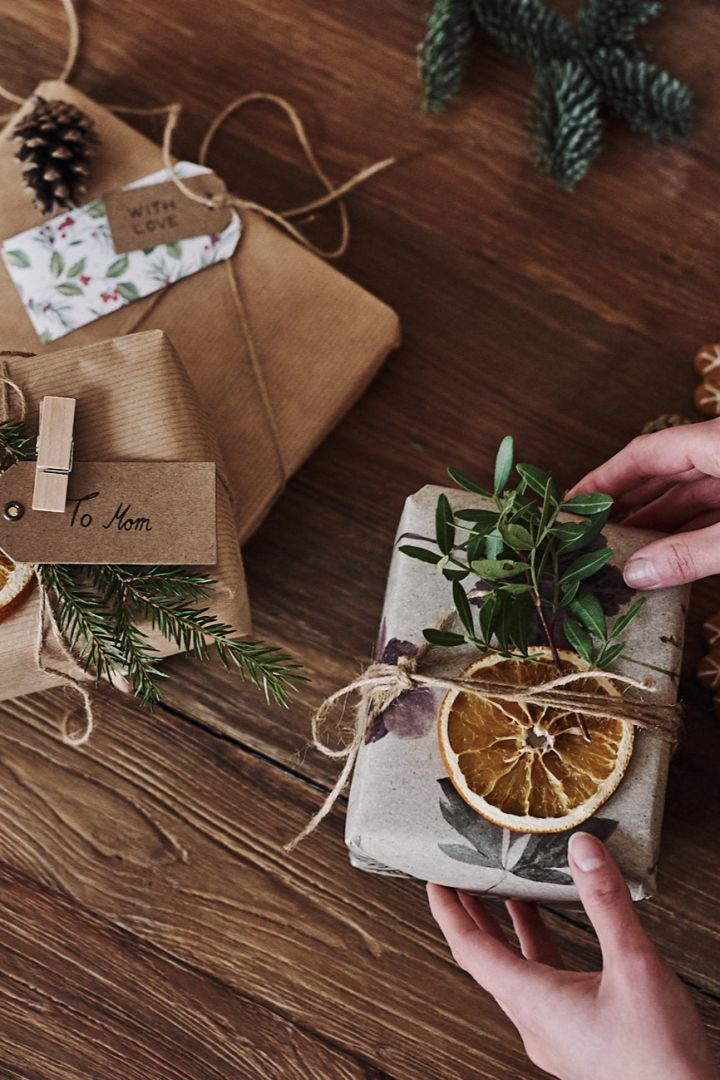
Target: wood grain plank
point(79, 998)
point(175, 835)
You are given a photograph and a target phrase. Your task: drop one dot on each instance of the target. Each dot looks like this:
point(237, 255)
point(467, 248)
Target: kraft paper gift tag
point(277, 343)
point(404, 816)
point(135, 404)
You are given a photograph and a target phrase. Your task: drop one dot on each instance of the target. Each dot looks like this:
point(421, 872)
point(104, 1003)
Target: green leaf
point(56, 264)
point(571, 535)
point(128, 291)
point(594, 502)
point(517, 537)
point(503, 463)
point(462, 606)
point(420, 553)
point(455, 575)
point(96, 209)
point(586, 565)
point(480, 517)
point(488, 615)
point(475, 547)
point(18, 258)
point(569, 593)
point(444, 527)
point(77, 268)
point(118, 267)
point(611, 653)
point(464, 481)
point(497, 569)
point(588, 610)
point(536, 479)
point(68, 288)
point(579, 638)
point(624, 620)
point(514, 588)
point(174, 250)
point(494, 545)
point(443, 637)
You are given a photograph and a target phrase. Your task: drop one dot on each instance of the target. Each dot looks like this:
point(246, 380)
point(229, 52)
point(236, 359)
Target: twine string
point(47, 626)
point(70, 56)
point(381, 684)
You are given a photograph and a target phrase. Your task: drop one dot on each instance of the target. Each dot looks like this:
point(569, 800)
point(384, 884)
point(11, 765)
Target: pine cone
point(57, 140)
point(667, 420)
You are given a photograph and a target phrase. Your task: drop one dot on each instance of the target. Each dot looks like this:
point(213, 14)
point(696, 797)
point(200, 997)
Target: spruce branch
point(565, 124)
point(15, 444)
point(443, 55)
point(266, 667)
point(603, 22)
point(651, 100)
point(527, 29)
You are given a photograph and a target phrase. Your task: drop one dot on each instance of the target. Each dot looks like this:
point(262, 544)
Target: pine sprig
point(443, 54)
point(565, 123)
point(533, 566)
point(159, 600)
point(15, 444)
point(581, 71)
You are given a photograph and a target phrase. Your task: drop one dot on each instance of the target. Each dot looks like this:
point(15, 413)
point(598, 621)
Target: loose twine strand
point(47, 625)
point(381, 684)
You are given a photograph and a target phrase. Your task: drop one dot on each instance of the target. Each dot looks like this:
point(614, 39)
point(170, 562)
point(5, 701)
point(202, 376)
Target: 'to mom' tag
point(142, 513)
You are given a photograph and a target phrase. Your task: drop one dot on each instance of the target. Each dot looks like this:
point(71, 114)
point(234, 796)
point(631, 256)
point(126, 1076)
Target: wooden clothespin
point(54, 453)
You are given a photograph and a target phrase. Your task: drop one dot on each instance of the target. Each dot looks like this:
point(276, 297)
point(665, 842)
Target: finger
point(673, 509)
point(492, 964)
point(481, 916)
point(648, 490)
point(535, 939)
point(662, 453)
point(675, 560)
point(712, 517)
point(606, 900)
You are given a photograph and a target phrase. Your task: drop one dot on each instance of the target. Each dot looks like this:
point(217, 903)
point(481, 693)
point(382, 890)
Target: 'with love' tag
point(142, 513)
point(143, 217)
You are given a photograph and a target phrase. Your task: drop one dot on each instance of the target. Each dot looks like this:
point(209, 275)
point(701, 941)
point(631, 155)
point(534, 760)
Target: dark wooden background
point(150, 925)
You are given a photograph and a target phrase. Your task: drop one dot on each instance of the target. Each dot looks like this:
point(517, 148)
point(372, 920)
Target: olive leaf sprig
point(530, 565)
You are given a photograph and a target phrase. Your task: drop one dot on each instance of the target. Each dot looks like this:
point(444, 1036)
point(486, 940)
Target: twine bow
point(382, 683)
point(46, 623)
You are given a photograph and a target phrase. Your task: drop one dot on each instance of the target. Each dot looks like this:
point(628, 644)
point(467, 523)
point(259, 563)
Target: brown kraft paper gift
point(277, 343)
point(134, 403)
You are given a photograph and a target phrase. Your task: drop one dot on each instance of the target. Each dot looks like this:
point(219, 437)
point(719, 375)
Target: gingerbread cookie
point(707, 393)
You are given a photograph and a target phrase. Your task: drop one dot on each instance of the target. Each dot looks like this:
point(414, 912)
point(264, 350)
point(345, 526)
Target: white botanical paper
point(68, 273)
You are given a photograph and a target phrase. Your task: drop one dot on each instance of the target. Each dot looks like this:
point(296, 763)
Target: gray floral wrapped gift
point(405, 817)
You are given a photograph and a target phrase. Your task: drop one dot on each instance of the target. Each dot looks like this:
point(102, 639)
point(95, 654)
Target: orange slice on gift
point(15, 583)
point(526, 767)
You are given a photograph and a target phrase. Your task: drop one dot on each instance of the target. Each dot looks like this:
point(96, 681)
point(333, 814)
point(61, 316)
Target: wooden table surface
point(151, 927)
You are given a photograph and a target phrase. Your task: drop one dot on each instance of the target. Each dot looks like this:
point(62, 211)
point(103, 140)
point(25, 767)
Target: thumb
point(675, 560)
point(606, 899)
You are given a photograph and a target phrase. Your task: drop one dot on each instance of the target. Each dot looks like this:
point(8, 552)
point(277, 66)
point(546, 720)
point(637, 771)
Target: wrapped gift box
point(405, 817)
point(318, 338)
point(135, 403)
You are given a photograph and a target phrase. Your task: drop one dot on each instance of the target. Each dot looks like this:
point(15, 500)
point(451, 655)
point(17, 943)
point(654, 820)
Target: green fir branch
point(266, 667)
point(652, 101)
point(15, 444)
point(527, 29)
point(443, 55)
point(565, 124)
point(603, 22)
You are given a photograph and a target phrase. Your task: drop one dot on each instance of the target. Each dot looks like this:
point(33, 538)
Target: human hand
point(669, 481)
point(633, 1020)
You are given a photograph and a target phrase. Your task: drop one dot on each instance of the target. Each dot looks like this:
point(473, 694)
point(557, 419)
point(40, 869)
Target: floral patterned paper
point(68, 273)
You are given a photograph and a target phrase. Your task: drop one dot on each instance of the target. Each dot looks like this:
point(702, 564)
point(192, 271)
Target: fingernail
point(586, 851)
point(641, 574)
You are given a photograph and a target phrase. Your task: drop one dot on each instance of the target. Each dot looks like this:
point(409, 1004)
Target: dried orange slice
point(15, 582)
point(531, 768)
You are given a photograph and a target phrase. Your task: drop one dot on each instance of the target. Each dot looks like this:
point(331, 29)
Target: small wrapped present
point(276, 342)
point(407, 818)
point(135, 403)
